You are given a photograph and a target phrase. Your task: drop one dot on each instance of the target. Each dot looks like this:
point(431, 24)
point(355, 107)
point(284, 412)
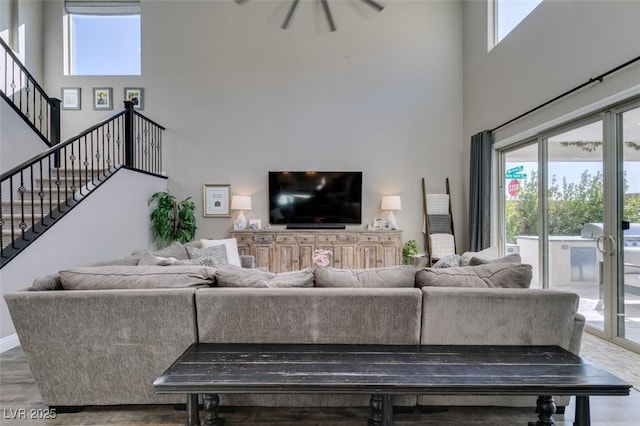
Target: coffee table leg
point(546, 409)
point(211, 406)
point(193, 417)
point(381, 411)
point(583, 414)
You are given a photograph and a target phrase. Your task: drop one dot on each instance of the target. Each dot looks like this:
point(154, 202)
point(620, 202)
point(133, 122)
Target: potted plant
point(409, 249)
point(172, 221)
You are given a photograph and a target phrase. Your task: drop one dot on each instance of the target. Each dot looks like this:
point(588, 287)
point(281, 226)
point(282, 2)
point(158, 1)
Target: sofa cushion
point(213, 256)
point(498, 275)
point(392, 276)
point(233, 276)
point(510, 258)
point(120, 277)
point(233, 257)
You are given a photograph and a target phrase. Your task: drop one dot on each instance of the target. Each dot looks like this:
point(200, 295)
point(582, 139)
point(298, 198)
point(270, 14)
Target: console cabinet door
point(287, 257)
point(305, 256)
point(390, 255)
point(346, 256)
point(369, 256)
point(264, 256)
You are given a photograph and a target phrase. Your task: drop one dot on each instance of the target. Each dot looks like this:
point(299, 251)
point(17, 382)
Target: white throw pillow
point(233, 257)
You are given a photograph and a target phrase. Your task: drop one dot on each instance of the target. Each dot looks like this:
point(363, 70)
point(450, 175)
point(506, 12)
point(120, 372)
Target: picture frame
point(102, 98)
point(255, 224)
point(71, 98)
point(378, 224)
point(135, 95)
point(216, 200)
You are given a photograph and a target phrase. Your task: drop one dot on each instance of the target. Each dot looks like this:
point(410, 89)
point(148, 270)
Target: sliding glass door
point(627, 291)
point(571, 208)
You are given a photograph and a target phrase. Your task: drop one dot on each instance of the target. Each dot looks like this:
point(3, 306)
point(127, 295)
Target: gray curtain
point(480, 191)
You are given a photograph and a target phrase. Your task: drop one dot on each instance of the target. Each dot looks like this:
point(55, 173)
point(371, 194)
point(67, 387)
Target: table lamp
point(240, 202)
point(391, 203)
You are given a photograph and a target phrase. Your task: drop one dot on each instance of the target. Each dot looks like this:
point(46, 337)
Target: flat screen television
point(315, 199)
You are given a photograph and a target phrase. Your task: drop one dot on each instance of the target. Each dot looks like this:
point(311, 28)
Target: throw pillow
point(176, 250)
point(149, 259)
point(233, 257)
point(211, 256)
point(510, 258)
point(392, 276)
point(128, 277)
point(450, 261)
point(489, 253)
point(48, 282)
point(233, 276)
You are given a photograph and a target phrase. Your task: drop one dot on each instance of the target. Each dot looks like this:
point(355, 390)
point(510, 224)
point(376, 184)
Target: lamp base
point(240, 223)
point(393, 224)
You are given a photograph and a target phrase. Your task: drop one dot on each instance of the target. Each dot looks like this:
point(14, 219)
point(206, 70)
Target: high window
point(509, 13)
point(102, 38)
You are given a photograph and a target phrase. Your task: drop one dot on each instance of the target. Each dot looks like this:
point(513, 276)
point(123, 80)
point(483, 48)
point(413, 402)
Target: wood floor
point(18, 392)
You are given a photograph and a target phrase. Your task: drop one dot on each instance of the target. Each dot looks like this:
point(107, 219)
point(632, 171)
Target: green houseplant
point(409, 249)
point(172, 221)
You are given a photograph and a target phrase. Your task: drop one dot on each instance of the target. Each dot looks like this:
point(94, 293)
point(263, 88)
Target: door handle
point(600, 245)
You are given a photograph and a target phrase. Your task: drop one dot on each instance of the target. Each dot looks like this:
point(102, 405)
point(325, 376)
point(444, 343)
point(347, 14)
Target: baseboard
point(9, 342)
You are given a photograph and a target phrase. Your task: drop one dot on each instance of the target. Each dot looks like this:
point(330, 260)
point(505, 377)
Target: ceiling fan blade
point(292, 9)
point(374, 4)
point(327, 12)
point(241, 1)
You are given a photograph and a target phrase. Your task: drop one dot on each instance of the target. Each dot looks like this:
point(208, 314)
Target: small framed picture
point(70, 97)
point(135, 95)
point(386, 224)
point(255, 224)
point(102, 98)
point(216, 201)
point(378, 224)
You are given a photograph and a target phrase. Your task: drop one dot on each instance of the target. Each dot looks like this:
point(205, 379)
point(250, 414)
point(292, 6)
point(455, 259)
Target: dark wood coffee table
point(385, 370)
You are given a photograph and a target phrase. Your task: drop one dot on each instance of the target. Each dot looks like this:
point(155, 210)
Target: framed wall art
point(70, 97)
point(102, 98)
point(216, 201)
point(135, 95)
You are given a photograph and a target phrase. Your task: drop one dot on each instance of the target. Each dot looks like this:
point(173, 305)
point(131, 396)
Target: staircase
point(45, 200)
point(40, 191)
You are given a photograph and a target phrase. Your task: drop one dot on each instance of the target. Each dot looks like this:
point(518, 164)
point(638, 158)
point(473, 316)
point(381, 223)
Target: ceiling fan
point(325, 7)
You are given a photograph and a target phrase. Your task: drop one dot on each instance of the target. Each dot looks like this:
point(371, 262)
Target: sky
point(106, 45)
point(573, 170)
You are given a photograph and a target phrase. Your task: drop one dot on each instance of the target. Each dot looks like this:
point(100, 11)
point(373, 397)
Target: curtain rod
point(575, 89)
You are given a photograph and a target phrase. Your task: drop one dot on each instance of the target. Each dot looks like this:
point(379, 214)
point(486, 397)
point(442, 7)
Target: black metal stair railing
point(23, 93)
point(37, 193)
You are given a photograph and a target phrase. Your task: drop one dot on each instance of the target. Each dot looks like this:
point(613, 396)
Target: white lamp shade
point(241, 202)
point(391, 202)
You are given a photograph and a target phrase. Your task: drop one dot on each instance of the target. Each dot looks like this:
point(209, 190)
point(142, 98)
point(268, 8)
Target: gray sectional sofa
point(106, 346)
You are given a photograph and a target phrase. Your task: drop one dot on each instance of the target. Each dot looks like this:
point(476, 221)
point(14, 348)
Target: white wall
point(241, 97)
point(18, 143)
point(559, 46)
point(109, 224)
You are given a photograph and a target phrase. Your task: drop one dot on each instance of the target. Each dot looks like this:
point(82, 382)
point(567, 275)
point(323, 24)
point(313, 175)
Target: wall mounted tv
point(315, 199)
